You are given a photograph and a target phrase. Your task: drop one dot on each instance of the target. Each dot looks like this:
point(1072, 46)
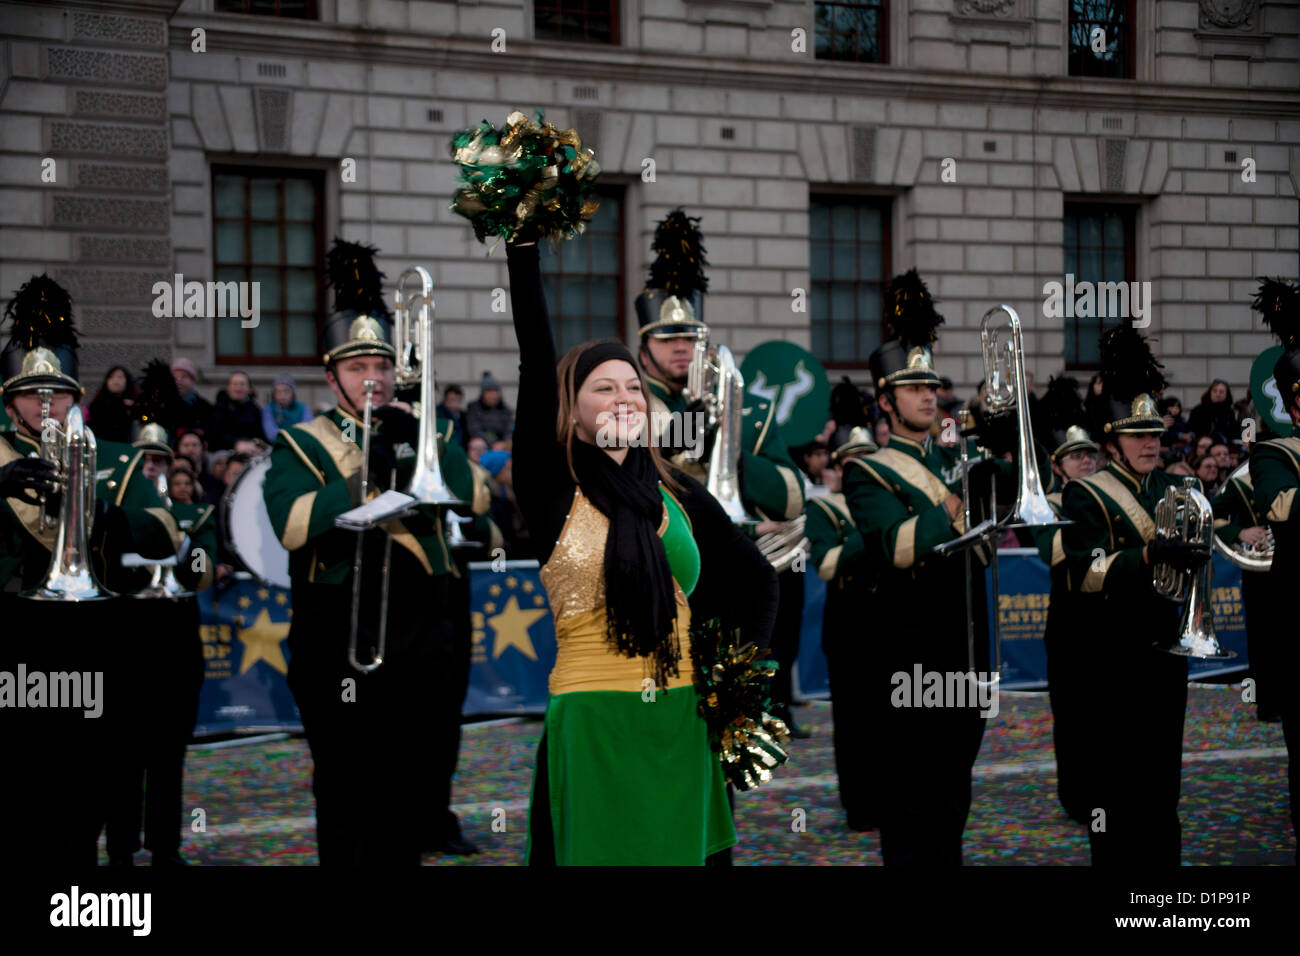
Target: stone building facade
point(972, 142)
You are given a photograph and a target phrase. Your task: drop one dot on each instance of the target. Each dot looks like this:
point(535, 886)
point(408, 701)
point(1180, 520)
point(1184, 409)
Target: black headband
point(600, 352)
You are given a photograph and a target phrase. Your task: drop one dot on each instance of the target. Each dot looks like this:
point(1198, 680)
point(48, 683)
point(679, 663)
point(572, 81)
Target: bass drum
point(247, 530)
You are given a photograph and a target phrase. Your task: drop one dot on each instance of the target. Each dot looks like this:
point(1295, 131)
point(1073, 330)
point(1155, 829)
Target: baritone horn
point(1248, 557)
point(1184, 514)
point(70, 576)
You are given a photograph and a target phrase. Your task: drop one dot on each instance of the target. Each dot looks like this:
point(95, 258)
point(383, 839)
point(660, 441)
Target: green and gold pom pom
point(734, 685)
point(525, 178)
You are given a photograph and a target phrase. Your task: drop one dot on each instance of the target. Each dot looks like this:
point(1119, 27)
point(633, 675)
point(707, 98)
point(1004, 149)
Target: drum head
point(249, 533)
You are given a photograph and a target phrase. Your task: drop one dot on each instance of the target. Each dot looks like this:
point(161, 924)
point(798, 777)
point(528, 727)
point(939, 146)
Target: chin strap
point(660, 371)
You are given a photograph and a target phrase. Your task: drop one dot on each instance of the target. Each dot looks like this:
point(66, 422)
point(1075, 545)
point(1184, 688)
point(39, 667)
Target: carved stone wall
point(92, 98)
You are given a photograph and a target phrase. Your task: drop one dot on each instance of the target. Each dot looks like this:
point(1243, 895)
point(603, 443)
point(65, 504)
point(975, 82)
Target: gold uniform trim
point(173, 530)
point(126, 478)
point(1094, 579)
point(295, 528)
point(793, 493)
point(905, 543)
point(767, 424)
point(1280, 509)
point(482, 502)
point(1058, 549)
point(302, 455)
point(28, 514)
point(914, 473)
point(830, 564)
point(1114, 489)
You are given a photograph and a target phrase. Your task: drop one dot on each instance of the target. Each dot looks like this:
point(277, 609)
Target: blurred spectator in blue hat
point(283, 409)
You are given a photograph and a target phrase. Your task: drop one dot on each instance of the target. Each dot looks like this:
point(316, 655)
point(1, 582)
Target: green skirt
point(621, 781)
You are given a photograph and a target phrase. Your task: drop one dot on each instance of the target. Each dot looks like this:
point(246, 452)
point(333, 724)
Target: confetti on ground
point(259, 805)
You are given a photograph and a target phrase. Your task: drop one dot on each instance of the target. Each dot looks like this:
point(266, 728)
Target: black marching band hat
point(907, 357)
point(1064, 419)
point(1279, 302)
point(42, 348)
point(1132, 381)
point(151, 414)
point(673, 299)
point(860, 443)
point(361, 323)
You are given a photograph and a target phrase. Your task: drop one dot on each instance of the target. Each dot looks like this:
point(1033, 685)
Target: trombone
point(414, 346)
point(1004, 371)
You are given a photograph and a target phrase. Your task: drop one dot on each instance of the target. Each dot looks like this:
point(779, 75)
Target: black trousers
point(148, 763)
point(847, 653)
point(1139, 750)
point(51, 797)
point(369, 786)
point(785, 640)
point(1071, 666)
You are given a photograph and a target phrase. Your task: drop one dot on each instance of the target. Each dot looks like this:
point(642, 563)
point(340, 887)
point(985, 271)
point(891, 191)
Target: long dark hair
point(127, 392)
point(1207, 400)
point(566, 429)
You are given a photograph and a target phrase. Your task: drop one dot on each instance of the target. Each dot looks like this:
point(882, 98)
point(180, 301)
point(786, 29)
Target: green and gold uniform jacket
point(1234, 509)
point(1048, 541)
point(1113, 514)
point(837, 548)
point(896, 497)
point(315, 476)
point(1275, 473)
point(135, 520)
point(196, 565)
point(770, 483)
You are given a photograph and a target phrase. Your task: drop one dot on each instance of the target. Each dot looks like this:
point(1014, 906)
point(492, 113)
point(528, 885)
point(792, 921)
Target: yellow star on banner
point(244, 601)
point(511, 627)
point(281, 599)
point(539, 600)
point(512, 582)
point(494, 590)
point(262, 643)
point(263, 594)
point(526, 587)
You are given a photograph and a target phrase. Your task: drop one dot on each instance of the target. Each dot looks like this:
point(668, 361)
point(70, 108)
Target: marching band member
point(60, 755)
point(771, 486)
point(363, 777)
point(166, 656)
point(1275, 473)
point(1110, 553)
point(631, 550)
point(839, 553)
point(904, 507)
point(1074, 455)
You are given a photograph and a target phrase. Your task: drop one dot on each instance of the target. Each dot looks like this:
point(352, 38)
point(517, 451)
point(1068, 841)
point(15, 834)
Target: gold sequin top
point(574, 578)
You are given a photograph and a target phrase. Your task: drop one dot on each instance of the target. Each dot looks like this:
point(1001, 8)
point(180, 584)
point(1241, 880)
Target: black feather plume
point(1058, 409)
point(41, 311)
point(1128, 367)
point(910, 314)
point(678, 268)
point(1279, 302)
point(358, 284)
point(848, 404)
point(158, 396)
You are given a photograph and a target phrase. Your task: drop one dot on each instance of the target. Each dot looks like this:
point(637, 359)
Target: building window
point(1098, 248)
point(268, 228)
point(851, 31)
point(297, 9)
point(850, 252)
point(583, 278)
point(1101, 38)
point(582, 21)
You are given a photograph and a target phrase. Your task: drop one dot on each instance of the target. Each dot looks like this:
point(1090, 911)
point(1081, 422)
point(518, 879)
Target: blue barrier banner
point(1024, 593)
point(243, 627)
point(514, 640)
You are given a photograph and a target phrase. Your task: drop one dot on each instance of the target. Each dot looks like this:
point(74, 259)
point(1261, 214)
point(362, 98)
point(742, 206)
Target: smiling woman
point(632, 550)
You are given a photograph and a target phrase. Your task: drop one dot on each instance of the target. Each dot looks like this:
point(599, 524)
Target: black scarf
point(640, 600)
